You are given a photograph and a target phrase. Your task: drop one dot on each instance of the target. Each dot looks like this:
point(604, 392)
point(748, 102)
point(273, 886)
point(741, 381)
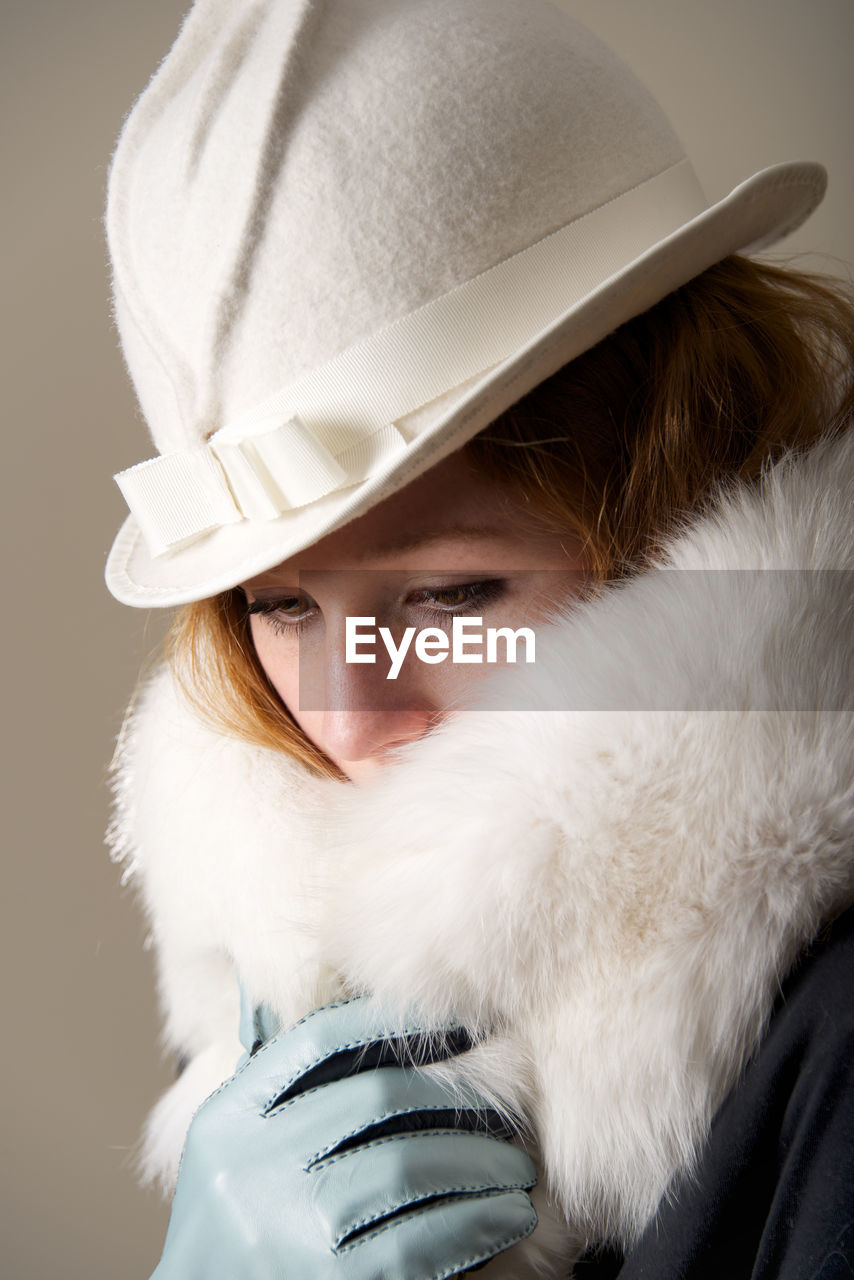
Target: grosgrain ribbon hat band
point(335, 426)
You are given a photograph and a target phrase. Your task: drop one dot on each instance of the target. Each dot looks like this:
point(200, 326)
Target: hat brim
point(756, 214)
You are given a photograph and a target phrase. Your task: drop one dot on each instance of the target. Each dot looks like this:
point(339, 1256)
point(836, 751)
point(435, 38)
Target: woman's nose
point(364, 714)
point(355, 735)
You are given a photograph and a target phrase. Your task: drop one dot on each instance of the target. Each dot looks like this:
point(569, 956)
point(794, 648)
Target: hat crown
point(298, 176)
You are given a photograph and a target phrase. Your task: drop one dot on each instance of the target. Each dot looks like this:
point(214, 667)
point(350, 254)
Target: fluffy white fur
point(610, 895)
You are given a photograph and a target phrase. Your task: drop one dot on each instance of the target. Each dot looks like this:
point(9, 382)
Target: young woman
point(536, 965)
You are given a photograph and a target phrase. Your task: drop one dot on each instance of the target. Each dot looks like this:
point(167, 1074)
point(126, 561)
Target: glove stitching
point(333, 1004)
point(272, 1043)
point(483, 1257)
point(460, 1102)
point(513, 1238)
point(316, 1156)
point(326, 1161)
point(489, 1187)
point(359, 1043)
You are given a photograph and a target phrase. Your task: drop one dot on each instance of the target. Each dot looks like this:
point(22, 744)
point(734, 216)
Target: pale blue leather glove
point(317, 1161)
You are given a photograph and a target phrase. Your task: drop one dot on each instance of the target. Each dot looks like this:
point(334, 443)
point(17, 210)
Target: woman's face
point(453, 542)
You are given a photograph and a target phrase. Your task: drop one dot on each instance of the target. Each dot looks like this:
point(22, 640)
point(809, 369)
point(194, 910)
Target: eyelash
point(270, 611)
point(476, 594)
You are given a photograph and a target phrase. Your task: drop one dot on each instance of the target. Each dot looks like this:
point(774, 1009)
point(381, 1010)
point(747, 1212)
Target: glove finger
point(375, 1104)
point(361, 1188)
point(443, 1239)
point(333, 1042)
point(258, 1022)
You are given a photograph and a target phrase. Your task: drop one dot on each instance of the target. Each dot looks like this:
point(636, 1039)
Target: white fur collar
point(614, 891)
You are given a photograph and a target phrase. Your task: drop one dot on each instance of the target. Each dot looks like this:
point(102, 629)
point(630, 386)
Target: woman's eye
point(457, 598)
point(289, 614)
point(286, 613)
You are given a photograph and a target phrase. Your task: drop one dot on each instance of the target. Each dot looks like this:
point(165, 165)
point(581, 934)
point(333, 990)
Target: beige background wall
point(747, 82)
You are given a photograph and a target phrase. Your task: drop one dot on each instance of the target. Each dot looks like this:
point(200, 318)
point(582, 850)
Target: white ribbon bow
point(178, 497)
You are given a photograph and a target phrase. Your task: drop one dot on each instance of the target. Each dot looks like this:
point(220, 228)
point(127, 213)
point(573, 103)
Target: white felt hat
point(347, 234)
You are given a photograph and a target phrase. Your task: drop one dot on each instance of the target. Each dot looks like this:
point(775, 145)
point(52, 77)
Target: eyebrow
point(409, 541)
